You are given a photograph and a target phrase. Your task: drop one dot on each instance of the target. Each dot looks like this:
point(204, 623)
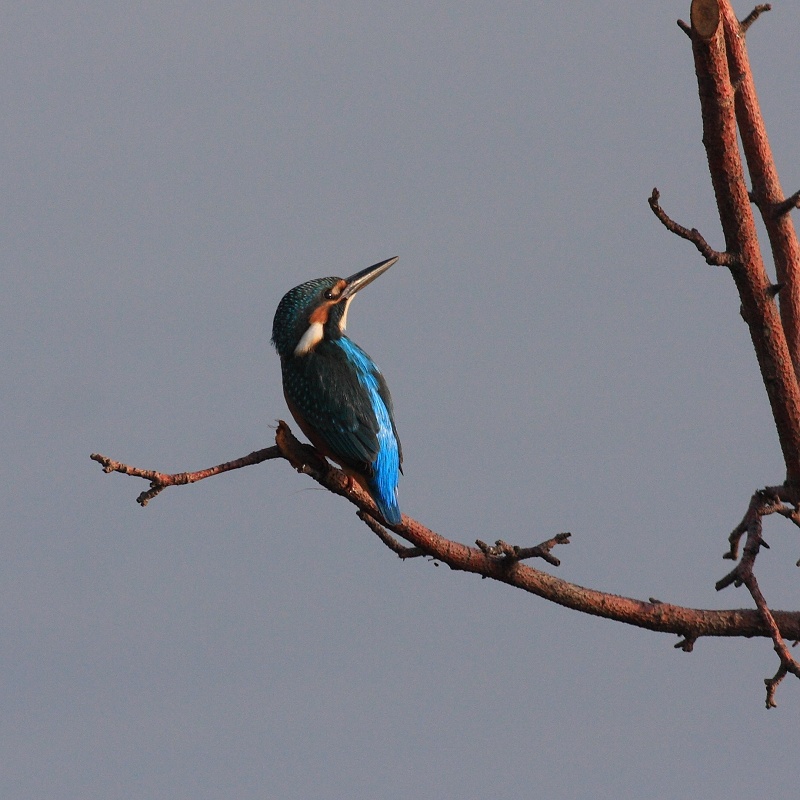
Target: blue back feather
point(383, 483)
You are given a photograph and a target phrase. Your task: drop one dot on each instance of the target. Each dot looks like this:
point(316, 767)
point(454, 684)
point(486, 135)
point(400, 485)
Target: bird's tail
point(386, 502)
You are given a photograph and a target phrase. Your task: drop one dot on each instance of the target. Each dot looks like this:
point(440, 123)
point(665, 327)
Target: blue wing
point(342, 395)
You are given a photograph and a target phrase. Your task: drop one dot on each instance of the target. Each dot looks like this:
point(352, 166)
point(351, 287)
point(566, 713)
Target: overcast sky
point(558, 362)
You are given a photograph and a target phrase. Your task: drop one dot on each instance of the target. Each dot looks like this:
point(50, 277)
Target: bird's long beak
point(361, 279)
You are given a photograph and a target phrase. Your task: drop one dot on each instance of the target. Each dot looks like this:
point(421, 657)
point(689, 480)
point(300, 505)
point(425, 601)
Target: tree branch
point(765, 183)
point(764, 502)
point(787, 205)
point(713, 257)
point(689, 623)
point(754, 15)
point(503, 551)
point(389, 540)
point(717, 103)
point(161, 480)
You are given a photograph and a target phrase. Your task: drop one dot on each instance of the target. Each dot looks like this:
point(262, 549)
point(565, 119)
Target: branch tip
point(161, 480)
point(713, 257)
point(789, 204)
point(754, 15)
point(781, 500)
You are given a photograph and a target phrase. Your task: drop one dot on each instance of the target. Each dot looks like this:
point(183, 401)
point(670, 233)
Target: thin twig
point(502, 551)
point(713, 257)
point(781, 500)
point(161, 480)
point(773, 683)
point(787, 663)
point(790, 203)
point(764, 502)
point(754, 15)
point(402, 550)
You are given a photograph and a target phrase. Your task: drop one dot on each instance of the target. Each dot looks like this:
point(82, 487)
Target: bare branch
point(787, 663)
point(161, 480)
point(765, 182)
point(764, 502)
point(686, 622)
point(728, 100)
point(511, 553)
point(787, 205)
point(720, 106)
point(754, 15)
point(657, 616)
point(402, 550)
point(772, 685)
point(713, 257)
point(769, 500)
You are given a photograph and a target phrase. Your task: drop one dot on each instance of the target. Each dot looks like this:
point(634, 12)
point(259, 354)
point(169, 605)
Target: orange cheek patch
point(320, 314)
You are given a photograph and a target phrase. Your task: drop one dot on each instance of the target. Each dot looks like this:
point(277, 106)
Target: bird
point(334, 390)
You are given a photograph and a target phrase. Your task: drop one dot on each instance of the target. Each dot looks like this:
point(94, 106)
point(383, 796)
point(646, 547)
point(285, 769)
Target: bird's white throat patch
point(343, 321)
point(310, 339)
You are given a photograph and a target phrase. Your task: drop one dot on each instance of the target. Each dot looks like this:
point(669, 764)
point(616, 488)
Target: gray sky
point(557, 360)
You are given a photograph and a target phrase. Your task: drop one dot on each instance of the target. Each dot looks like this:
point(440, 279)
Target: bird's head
point(317, 310)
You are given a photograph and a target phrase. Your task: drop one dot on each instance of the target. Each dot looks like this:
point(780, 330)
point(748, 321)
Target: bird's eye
point(332, 294)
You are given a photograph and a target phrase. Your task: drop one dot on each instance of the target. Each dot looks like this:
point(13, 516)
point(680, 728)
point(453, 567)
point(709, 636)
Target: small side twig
point(790, 203)
point(713, 257)
point(764, 502)
point(161, 480)
point(754, 15)
point(404, 551)
point(510, 553)
point(787, 663)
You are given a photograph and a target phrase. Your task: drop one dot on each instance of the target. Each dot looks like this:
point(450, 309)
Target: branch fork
point(770, 500)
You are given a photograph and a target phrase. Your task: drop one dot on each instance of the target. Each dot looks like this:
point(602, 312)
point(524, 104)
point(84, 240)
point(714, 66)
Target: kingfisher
point(334, 390)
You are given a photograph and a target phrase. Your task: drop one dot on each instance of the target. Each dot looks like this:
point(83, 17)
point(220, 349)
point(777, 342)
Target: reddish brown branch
point(767, 501)
point(502, 562)
point(754, 15)
point(787, 663)
point(765, 183)
point(717, 104)
point(785, 206)
point(686, 622)
point(510, 553)
point(770, 500)
point(713, 257)
point(161, 480)
point(402, 550)
point(724, 81)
